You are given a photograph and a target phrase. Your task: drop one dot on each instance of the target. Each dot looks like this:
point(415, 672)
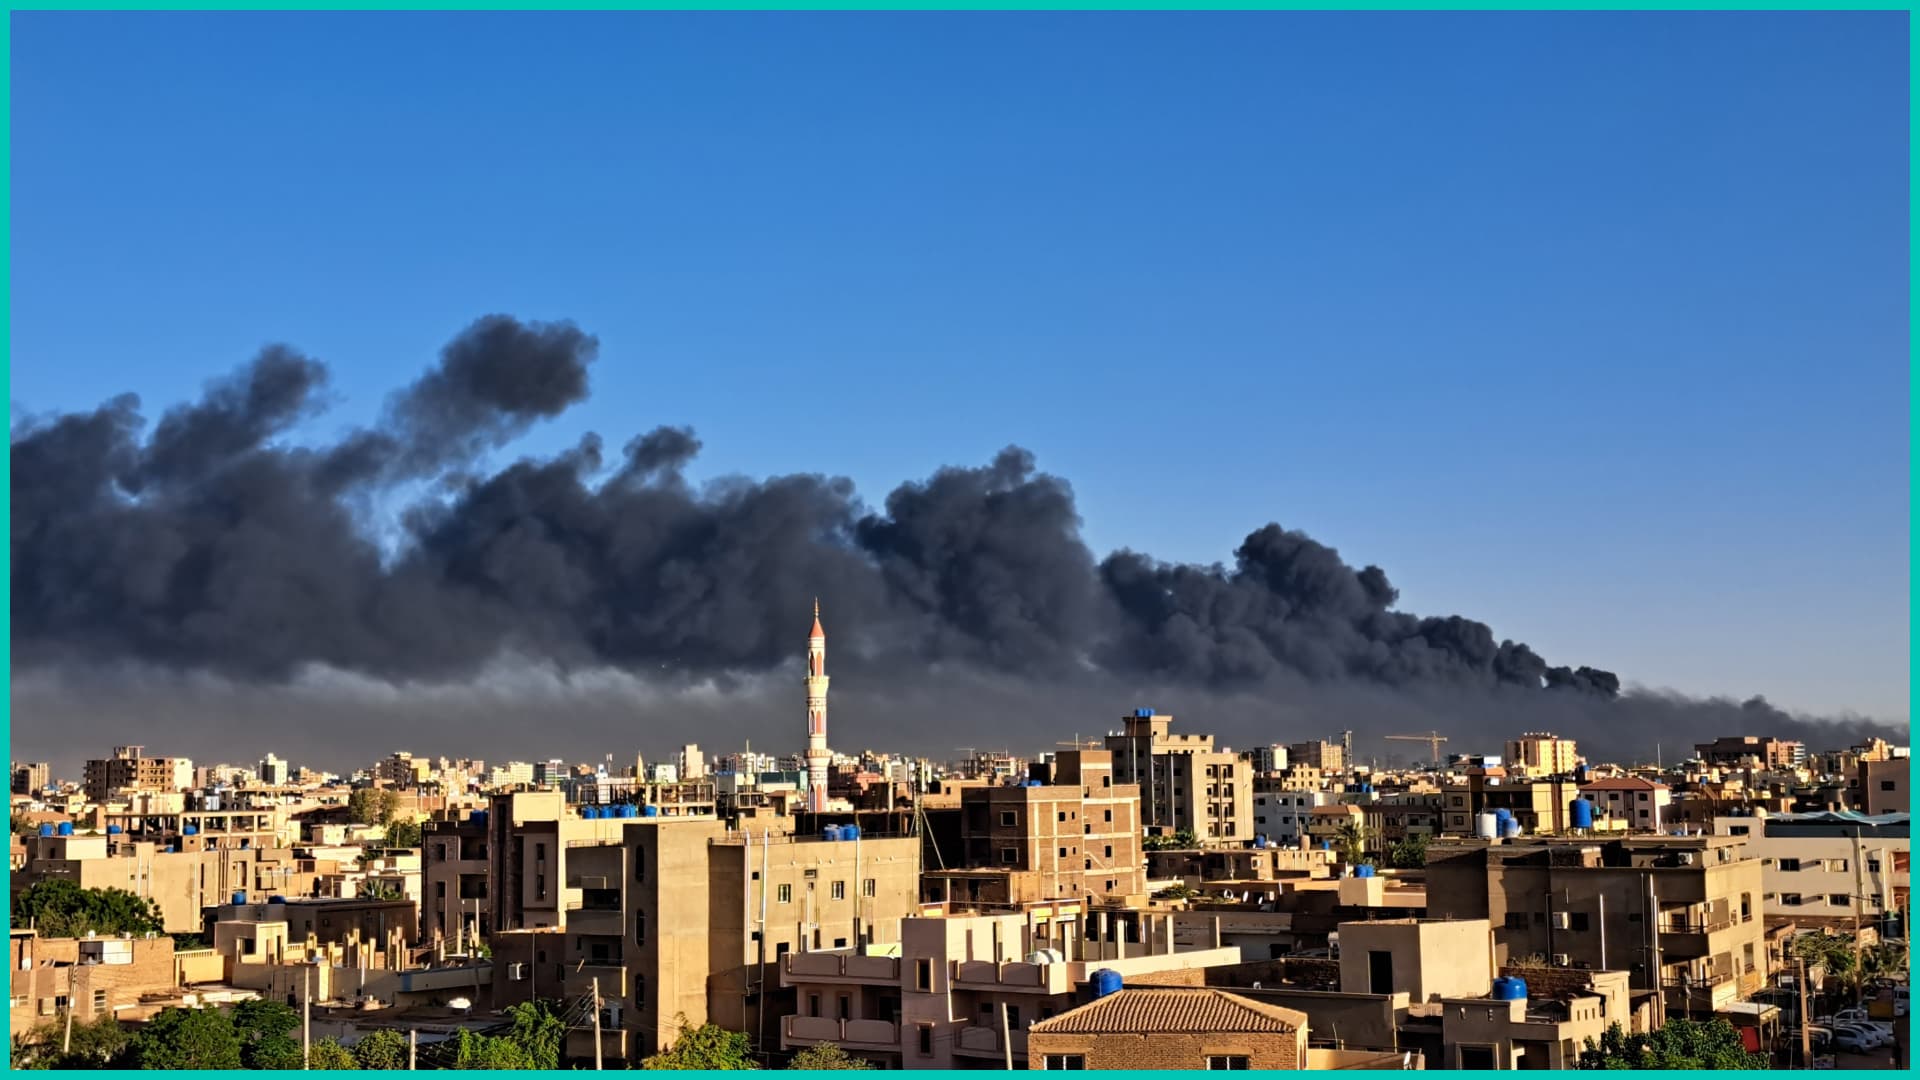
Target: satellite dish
point(461, 1003)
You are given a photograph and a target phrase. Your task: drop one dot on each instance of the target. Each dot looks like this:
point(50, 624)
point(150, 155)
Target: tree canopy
point(1681, 1044)
point(188, 1039)
point(827, 1056)
point(705, 1047)
point(57, 907)
point(382, 1049)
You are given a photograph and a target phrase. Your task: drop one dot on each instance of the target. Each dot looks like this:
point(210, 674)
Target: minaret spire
point(817, 753)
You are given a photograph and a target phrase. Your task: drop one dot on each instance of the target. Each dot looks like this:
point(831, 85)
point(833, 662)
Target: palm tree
point(1353, 839)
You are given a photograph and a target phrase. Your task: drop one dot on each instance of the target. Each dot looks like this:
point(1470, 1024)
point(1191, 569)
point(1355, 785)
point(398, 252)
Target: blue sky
point(1593, 327)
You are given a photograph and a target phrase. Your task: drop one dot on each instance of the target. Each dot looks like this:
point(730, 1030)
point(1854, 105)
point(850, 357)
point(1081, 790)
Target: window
point(1791, 899)
point(1109, 852)
point(1066, 1061)
point(1873, 865)
point(1063, 815)
point(1008, 819)
point(1063, 853)
point(926, 1039)
point(640, 864)
point(786, 894)
point(1476, 1057)
point(1737, 830)
point(1009, 855)
point(1109, 815)
point(99, 1001)
point(1013, 1018)
point(1226, 1063)
point(639, 928)
point(839, 890)
point(1840, 900)
point(1516, 920)
point(1790, 865)
point(923, 977)
point(869, 887)
point(1886, 785)
point(1577, 920)
point(840, 943)
point(639, 992)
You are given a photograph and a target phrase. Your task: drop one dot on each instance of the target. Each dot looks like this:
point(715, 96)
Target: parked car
point(1866, 1033)
point(1854, 1041)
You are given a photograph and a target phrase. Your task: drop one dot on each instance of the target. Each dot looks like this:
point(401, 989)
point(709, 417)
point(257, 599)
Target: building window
point(640, 864)
point(1065, 1061)
point(923, 976)
point(639, 992)
point(1063, 853)
point(1063, 815)
point(99, 1001)
point(1226, 1062)
point(1516, 920)
point(1886, 785)
point(786, 894)
point(1791, 899)
point(1008, 819)
point(1577, 920)
point(1840, 900)
point(839, 890)
point(639, 928)
point(926, 1040)
point(1789, 865)
point(1009, 855)
point(1109, 816)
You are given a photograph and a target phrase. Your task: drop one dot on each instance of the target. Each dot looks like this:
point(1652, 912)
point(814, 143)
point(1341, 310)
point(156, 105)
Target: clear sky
point(1593, 327)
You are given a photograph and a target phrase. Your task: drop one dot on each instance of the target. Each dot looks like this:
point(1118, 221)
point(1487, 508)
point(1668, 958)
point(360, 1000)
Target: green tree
point(471, 1051)
point(705, 1047)
point(266, 1031)
point(1408, 854)
point(382, 1049)
point(538, 1032)
point(827, 1056)
point(1680, 1044)
point(1179, 890)
point(187, 1039)
point(1352, 841)
point(329, 1054)
point(21, 826)
point(372, 806)
point(405, 834)
point(59, 908)
point(381, 890)
point(97, 1044)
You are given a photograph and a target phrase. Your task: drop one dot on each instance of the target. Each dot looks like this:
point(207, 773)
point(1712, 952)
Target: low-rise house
point(1170, 1028)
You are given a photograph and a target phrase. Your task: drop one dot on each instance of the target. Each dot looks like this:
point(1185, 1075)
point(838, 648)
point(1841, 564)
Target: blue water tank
point(630, 810)
point(239, 896)
point(191, 830)
point(831, 832)
point(1363, 870)
point(1143, 713)
point(1106, 981)
point(246, 843)
point(65, 829)
point(1326, 845)
point(589, 812)
point(478, 817)
point(276, 899)
point(114, 830)
point(46, 828)
point(1508, 988)
point(649, 811)
point(1582, 814)
point(1502, 814)
point(849, 832)
point(1035, 783)
point(1259, 840)
point(1510, 828)
point(1580, 774)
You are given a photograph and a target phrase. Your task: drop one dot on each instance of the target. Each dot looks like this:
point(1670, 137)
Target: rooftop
point(1164, 1011)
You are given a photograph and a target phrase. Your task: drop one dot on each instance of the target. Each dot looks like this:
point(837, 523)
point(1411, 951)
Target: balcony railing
point(858, 1034)
point(980, 1039)
point(836, 966)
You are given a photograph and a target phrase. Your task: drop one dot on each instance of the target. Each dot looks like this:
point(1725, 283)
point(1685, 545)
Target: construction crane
point(1432, 738)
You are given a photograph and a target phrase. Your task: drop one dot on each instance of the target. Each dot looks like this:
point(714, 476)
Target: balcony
point(848, 1034)
point(595, 920)
point(580, 978)
point(842, 967)
point(977, 1040)
point(1688, 938)
point(1013, 977)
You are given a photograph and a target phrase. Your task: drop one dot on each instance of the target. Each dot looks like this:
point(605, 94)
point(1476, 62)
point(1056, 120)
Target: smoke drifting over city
point(212, 573)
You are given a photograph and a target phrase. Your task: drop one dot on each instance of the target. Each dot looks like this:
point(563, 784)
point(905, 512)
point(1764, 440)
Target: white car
point(1854, 1040)
point(1869, 1036)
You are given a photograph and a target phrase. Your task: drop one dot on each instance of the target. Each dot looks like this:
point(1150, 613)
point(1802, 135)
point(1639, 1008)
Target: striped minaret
point(817, 753)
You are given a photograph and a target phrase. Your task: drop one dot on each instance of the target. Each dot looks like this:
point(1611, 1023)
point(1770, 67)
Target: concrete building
point(1282, 815)
point(1539, 805)
point(455, 909)
point(1073, 838)
point(98, 976)
point(1327, 757)
point(182, 884)
point(1641, 804)
point(130, 769)
point(1173, 1028)
point(1681, 914)
point(1541, 753)
point(1184, 782)
point(1747, 750)
point(1268, 759)
point(1829, 870)
point(273, 770)
point(680, 916)
point(31, 778)
point(964, 988)
point(1883, 786)
point(693, 764)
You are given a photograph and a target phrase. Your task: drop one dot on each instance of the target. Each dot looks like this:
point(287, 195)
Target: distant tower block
point(817, 753)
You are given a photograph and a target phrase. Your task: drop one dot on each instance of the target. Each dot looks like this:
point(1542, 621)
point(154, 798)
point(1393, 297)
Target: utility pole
point(1006, 1032)
point(596, 1024)
point(1806, 1033)
point(66, 1041)
point(306, 1018)
point(413, 1049)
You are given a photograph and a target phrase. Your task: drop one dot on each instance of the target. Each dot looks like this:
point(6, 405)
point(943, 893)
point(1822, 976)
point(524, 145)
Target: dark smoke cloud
point(213, 547)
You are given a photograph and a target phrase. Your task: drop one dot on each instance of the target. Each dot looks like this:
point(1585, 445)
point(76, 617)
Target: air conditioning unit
point(517, 972)
point(1561, 959)
point(1561, 921)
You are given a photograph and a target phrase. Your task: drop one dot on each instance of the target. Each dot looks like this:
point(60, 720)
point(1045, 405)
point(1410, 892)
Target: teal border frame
point(6, 184)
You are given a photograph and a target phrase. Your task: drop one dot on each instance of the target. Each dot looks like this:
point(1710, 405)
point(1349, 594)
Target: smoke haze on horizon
point(176, 586)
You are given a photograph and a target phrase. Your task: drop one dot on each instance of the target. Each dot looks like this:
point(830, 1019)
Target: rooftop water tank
point(831, 832)
point(1035, 783)
point(1510, 828)
point(1508, 988)
point(191, 830)
point(630, 811)
point(849, 832)
point(1582, 813)
point(478, 817)
point(1503, 814)
point(1486, 826)
point(1143, 713)
point(1106, 981)
point(649, 811)
point(65, 829)
point(46, 828)
point(276, 899)
point(1580, 774)
point(1046, 956)
point(1259, 840)
point(239, 896)
point(1363, 870)
point(114, 830)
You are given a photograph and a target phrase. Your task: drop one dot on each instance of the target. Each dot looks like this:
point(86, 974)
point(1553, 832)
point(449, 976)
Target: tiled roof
point(1624, 783)
point(1173, 1011)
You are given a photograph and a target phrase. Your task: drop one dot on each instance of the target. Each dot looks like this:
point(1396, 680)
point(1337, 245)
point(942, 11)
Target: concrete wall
point(1431, 959)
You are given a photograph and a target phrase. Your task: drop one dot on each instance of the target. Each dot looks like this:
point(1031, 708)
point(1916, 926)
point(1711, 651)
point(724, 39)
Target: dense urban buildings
point(1149, 900)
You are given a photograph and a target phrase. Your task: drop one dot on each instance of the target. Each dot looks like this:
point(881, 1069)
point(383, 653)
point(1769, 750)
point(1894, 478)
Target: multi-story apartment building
point(672, 917)
point(1540, 806)
point(1835, 870)
point(1076, 837)
point(1740, 751)
point(31, 778)
point(1184, 782)
point(1641, 804)
point(1282, 815)
point(1321, 754)
point(1682, 914)
point(130, 769)
point(964, 988)
point(182, 884)
point(1883, 786)
point(1268, 759)
point(454, 906)
point(1541, 753)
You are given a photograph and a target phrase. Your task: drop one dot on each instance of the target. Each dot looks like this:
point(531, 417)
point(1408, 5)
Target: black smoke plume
point(218, 547)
